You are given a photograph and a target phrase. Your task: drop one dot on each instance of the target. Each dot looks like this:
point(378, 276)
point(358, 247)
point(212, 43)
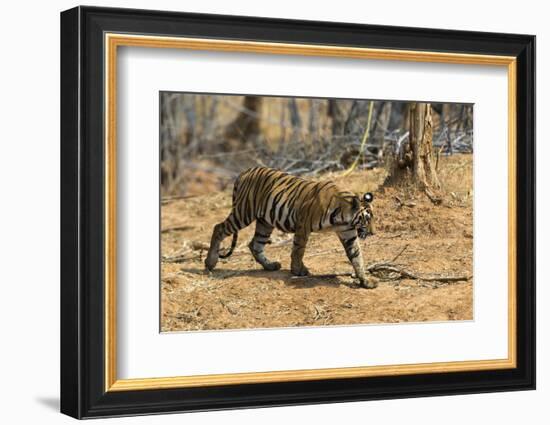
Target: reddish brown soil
point(239, 294)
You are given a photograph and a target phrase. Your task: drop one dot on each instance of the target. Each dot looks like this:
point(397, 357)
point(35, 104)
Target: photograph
point(282, 212)
point(286, 210)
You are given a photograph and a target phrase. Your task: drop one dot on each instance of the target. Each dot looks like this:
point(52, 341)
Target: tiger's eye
point(368, 197)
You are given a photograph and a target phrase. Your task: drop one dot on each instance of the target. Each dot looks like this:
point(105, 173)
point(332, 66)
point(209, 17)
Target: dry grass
point(239, 294)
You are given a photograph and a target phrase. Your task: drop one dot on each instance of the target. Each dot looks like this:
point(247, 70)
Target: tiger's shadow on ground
point(284, 275)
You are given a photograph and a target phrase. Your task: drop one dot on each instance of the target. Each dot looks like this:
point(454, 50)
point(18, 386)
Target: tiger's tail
point(233, 245)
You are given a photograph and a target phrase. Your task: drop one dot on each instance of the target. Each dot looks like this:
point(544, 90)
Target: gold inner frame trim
point(113, 41)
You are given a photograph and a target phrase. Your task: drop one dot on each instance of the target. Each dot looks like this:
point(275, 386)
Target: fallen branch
point(179, 258)
point(176, 228)
point(389, 270)
point(401, 204)
point(230, 309)
point(316, 254)
point(398, 235)
point(323, 276)
point(189, 316)
point(169, 199)
point(394, 272)
point(400, 252)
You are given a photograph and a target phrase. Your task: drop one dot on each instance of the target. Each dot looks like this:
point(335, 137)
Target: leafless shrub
point(206, 140)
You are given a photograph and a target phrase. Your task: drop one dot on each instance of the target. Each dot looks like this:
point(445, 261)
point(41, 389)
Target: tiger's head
point(364, 217)
point(356, 211)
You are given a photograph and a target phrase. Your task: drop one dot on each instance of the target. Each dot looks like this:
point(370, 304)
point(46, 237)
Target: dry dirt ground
point(437, 240)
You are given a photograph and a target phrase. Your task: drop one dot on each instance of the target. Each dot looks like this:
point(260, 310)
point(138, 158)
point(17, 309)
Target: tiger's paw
point(299, 271)
point(271, 267)
point(210, 263)
point(368, 284)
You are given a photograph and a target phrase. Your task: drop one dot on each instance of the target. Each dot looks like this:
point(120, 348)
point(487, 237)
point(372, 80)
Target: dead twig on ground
point(321, 313)
point(401, 204)
point(230, 309)
point(318, 313)
point(398, 235)
point(176, 228)
point(184, 258)
point(188, 317)
point(400, 252)
point(323, 276)
point(170, 199)
point(316, 254)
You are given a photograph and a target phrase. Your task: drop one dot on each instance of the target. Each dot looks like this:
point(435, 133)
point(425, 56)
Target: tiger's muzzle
point(364, 231)
point(365, 226)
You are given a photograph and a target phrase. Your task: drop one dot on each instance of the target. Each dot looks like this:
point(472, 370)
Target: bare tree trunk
point(406, 118)
point(382, 122)
point(246, 126)
point(421, 134)
point(175, 134)
point(282, 123)
point(313, 123)
point(339, 116)
point(295, 120)
point(415, 164)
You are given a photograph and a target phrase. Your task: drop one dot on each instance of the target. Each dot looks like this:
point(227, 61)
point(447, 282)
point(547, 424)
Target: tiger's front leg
point(297, 267)
point(353, 251)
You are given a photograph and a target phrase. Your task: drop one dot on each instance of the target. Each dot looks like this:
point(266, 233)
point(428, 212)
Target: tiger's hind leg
point(297, 267)
point(257, 245)
point(222, 230)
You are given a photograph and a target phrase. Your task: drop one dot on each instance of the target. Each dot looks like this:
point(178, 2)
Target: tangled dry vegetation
point(428, 245)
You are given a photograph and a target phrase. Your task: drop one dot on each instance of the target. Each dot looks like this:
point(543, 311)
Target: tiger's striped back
point(283, 200)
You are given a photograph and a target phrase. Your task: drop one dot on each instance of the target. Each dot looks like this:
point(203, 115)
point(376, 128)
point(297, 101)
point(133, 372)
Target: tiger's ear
point(356, 204)
point(368, 197)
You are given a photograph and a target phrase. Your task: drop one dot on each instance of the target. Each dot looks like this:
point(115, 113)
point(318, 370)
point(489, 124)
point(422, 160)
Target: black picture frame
point(83, 392)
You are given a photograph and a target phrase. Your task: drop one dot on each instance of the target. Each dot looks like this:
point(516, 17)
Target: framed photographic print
point(261, 212)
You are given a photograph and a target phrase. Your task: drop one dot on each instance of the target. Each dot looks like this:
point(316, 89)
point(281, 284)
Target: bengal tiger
point(293, 205)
